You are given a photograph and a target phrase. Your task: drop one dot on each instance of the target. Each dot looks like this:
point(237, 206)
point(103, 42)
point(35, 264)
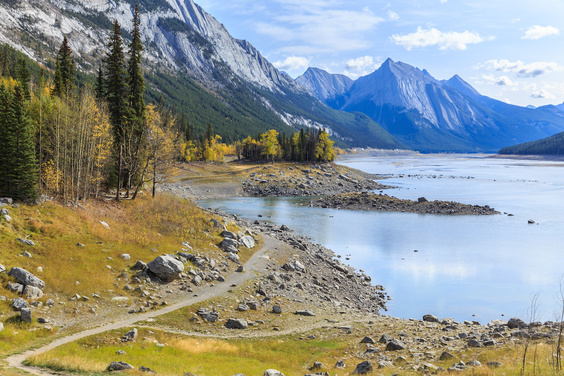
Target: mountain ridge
point(441, 116)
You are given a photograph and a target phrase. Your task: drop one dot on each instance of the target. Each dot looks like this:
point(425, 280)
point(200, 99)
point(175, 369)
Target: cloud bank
point(434, 37)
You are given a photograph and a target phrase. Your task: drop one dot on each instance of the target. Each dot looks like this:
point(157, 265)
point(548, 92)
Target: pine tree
point(100, 85)
point(135, 75)
point(116, 95)
point(6, 132)
point(58, 79)
point(68, 68)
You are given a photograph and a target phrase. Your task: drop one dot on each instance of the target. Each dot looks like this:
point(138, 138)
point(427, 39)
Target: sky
point(510, 50)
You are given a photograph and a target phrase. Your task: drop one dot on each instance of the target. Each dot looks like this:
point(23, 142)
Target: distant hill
point(553, 145)
point(435, 116)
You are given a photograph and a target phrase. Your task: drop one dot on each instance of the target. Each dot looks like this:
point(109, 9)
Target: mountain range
point(195, 66)
point(192, 63)
point(431, 115)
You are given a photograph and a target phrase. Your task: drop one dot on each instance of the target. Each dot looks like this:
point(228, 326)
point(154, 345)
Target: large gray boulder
point(32, 293)
point(247, 241)
point(25, 315)
point(229, 245)
point(363, 368)
point(430, 318)
point(166, 268)
point(236, 324)
point(26, 278)
point(119, 366)
point(18, 304)
point(272, 372)
point(229, 234)
point(395, 345)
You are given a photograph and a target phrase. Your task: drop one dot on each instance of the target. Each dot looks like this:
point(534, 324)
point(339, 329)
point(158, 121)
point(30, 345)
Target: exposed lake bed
point(466, 267)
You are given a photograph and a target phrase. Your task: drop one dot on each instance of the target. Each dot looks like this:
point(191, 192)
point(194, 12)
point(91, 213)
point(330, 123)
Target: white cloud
point(542, 94)
point(443, 1)
point(361, 66)
point(434, 37)
point(538, 32)
point(292, 63)
point(499, 81)
point(520, 68)
point(392, 16)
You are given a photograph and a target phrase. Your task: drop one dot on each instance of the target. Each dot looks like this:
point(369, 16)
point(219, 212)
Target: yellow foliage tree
point(324, 150)
point(269, 143)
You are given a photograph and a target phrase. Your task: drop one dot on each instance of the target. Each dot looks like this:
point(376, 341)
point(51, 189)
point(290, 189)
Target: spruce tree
point(135, 75)
point(68, 68)
point(100, 85)
point(5, 138)
point(116, 95)
point(24, 78)
point(58, 79)
point(23, 177)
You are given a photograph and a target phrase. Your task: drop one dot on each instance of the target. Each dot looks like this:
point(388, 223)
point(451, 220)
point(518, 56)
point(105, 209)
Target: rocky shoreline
point(307, 180)
point(386, 203)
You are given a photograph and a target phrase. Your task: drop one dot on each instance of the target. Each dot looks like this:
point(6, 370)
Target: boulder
point(276, 309)
point(395, 345)
point(25, 315)
point(385, 338)
point(299, 266)
point(16, 287)
point(217, 224)
point(363, 368)
point(229, 245)
point(6, 201)
point(305, 313)
point(208, 315)
point(26, 241)
point(197, 280)
point(236, 324)
point(2, 268)
point(430, 318)
point(140, 265)
point(243, 307)
point(18, 304)
point(26, 278)
point(131, 335)
point(422, 199)
point(516, 323)
point(32, 293)
point(119, 366)
point(368, 340)
point(385, 364)
point(166, 268)
point(247, 241)
point(233, 257)
point(272, 372)
point(229, 235)
point(317, 366)
point(340, 364)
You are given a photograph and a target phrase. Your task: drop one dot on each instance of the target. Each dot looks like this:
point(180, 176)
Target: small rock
point(305, 313)
point(276, 309)
point(146, 369)
point(243, 307)
point(446, 356)
point(1, 327)
point(368, 340)
point(395, 345)
point(18, 304)
point(531, 222)
point(125, 256)
point(317, 366)
point(2, 268)
point(236, 324)
point(473, 363)
point(340, 364)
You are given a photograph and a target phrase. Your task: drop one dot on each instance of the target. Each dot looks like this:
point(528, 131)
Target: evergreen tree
point(58, 79)
point(6, 133)
point(22, 181)
point(68, 68)
point(135, 75)
point(100, 85)
point(116, 95)
point(24, 79)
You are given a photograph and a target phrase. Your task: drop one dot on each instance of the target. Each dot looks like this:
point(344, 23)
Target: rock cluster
point(309, 180)
point(382, 202)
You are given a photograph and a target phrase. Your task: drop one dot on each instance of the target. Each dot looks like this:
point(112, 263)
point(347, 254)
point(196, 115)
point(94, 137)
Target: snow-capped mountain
point(248, 93)
point(432, 115)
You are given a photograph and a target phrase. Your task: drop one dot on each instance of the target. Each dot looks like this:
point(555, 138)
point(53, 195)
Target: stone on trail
point(26, 278)
point(166, 268)
point(363, 368)
point(119, 366)
point(272, 372)
point(25, 315)
point(248, 241)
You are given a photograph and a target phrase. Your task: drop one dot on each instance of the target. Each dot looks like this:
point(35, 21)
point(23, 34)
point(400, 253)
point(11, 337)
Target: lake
point(466, 267)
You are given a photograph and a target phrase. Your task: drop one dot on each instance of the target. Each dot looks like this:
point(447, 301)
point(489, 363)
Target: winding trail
point(254, 265)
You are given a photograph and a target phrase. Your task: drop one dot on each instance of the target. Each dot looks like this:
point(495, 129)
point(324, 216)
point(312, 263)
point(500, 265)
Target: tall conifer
point(5, 138)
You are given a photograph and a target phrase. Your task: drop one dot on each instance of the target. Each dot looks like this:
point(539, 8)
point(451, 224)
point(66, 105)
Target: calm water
point(467, 267)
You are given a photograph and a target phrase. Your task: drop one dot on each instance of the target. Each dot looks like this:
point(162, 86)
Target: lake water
point(467, 267)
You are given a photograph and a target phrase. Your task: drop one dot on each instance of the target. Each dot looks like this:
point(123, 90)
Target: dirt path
point(254, 265)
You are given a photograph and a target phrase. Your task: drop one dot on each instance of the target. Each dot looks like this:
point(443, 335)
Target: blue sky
point(511, 50)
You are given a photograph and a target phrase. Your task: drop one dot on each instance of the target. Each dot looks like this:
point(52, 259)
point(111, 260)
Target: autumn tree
point(270, 145)
point(324, 149)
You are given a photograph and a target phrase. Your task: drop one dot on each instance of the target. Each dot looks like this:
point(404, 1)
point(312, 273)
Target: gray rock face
point(272, 372)
point(18, 304)
point(26, 278)
point(236, 324)
point(217, 224)
point(166, 268)
point(385, 338)
point(247, 241)
point(229, 245)
point(25, 315)
point(32, 293)
point(119, 366)
point(363, 368)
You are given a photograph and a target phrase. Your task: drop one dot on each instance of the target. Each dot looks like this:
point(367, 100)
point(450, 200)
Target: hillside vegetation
point(553, 145)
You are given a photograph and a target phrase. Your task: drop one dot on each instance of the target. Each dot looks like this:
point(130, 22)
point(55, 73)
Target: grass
point(143, 228)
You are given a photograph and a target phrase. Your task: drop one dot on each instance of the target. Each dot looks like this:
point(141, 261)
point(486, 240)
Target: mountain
point(433, 116)
point(553, 145)
point(323, 85)
point(192, 62)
